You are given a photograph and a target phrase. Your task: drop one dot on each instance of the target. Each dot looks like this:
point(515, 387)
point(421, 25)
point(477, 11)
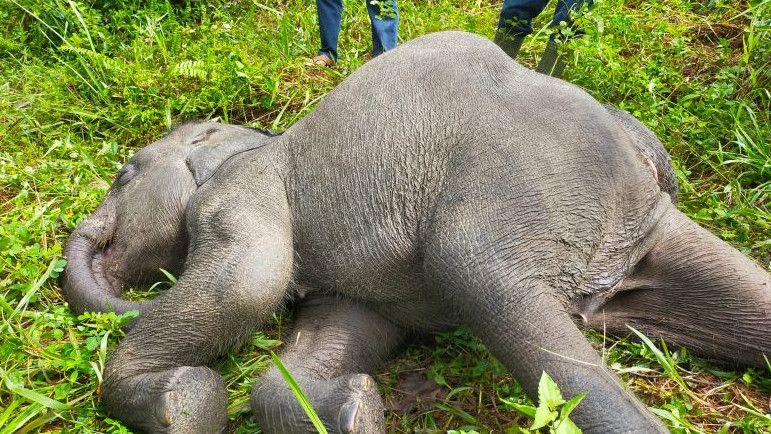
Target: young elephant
point(441, 184)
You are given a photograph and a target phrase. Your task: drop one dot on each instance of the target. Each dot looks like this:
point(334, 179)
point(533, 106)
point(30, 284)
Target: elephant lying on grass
point(441, 184)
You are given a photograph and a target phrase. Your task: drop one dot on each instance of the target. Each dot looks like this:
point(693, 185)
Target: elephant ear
point(204, 160)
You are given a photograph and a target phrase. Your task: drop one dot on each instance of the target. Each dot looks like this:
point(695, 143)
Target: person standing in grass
point(383, 17)
point(515, 23)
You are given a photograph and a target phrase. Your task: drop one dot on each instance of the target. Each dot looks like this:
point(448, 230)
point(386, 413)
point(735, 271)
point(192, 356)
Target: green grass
point(84, 84)
point(299, 395)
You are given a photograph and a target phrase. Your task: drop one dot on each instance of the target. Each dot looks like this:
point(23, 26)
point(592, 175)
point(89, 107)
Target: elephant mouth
point(99, 261)
point(91, 281)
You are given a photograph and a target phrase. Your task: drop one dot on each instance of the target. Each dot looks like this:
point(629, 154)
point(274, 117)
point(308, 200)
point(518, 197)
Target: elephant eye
point(126, 173)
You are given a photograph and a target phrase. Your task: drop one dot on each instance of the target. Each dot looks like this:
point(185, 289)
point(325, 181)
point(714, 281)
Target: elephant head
point(139, 228)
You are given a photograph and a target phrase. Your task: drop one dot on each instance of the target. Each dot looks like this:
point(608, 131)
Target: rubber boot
point(551, 63)
point(510, 44)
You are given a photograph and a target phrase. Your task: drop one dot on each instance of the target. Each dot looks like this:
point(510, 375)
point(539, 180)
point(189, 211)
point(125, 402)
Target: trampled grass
point(84, 84)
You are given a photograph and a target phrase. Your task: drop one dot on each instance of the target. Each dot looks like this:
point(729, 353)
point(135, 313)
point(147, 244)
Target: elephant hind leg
point(333, 347)
point(524, 324)
point(694, 290)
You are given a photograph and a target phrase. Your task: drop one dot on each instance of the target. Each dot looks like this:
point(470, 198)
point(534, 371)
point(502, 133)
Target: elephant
point(442, 184)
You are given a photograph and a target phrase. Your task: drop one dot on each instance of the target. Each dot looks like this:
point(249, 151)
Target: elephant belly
point(429, 315)
point(389, 280)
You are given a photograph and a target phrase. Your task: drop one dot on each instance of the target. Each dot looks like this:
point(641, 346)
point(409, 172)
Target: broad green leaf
point(21, 418)
point(438, 378)
point(527, 410)
point(548, 392)
point(666, 414)
point(664, 359)
point(570, 405)
point(60, 264)
point(8, 412)
point(543, 416)
point(754, 412)
point(31, 394)
point(633, 370)
point(566, 426)
point(35, 287)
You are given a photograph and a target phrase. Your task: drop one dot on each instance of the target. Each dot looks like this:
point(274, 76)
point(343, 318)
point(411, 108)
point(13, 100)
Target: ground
point(83, 84)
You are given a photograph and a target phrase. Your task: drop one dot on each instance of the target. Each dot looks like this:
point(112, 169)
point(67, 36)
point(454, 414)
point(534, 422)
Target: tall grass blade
point(299, 395)
point(667, 363)
point(82, 22)
point(31, 394)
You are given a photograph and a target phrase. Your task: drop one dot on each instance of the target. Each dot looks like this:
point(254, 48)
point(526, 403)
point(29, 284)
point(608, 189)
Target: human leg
point(552, 62)
point(385, 27)
point(514, 23)
point(517, 15)
point(564, 9)
point(330, 13)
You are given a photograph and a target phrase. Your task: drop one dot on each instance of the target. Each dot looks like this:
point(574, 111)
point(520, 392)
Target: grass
point(299, 395)
point(84, 84)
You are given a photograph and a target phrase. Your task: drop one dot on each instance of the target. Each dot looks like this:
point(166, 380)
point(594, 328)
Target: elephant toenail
point(346, 419)
point(163, 409)
point(362, 382)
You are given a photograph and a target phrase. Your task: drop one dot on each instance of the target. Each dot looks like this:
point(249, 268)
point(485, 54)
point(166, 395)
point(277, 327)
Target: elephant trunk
point(86, 283)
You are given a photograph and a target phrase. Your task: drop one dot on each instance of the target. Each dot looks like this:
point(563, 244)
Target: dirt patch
point(412, 389)
point(702, 64)
point(714, 399)
point(710, 34)
point(5, 200)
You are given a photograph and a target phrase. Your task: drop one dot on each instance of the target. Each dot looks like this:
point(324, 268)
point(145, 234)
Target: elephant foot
point(180, 400)
point(362, 411)
point(349, 404)
point(192, 402)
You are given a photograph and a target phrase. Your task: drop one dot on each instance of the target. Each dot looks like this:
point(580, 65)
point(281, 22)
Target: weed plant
point(85, 84)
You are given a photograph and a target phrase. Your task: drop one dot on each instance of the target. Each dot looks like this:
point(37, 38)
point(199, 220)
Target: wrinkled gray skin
point(441, 184)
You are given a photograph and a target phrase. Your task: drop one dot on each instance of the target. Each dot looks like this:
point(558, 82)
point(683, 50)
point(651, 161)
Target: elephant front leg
point(334, 345)
point(236, 276)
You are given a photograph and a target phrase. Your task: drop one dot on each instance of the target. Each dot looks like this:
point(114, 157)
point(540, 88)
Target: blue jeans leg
point(517, 15)
point(329, 12)
point(384, 29)
point(562, 12)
